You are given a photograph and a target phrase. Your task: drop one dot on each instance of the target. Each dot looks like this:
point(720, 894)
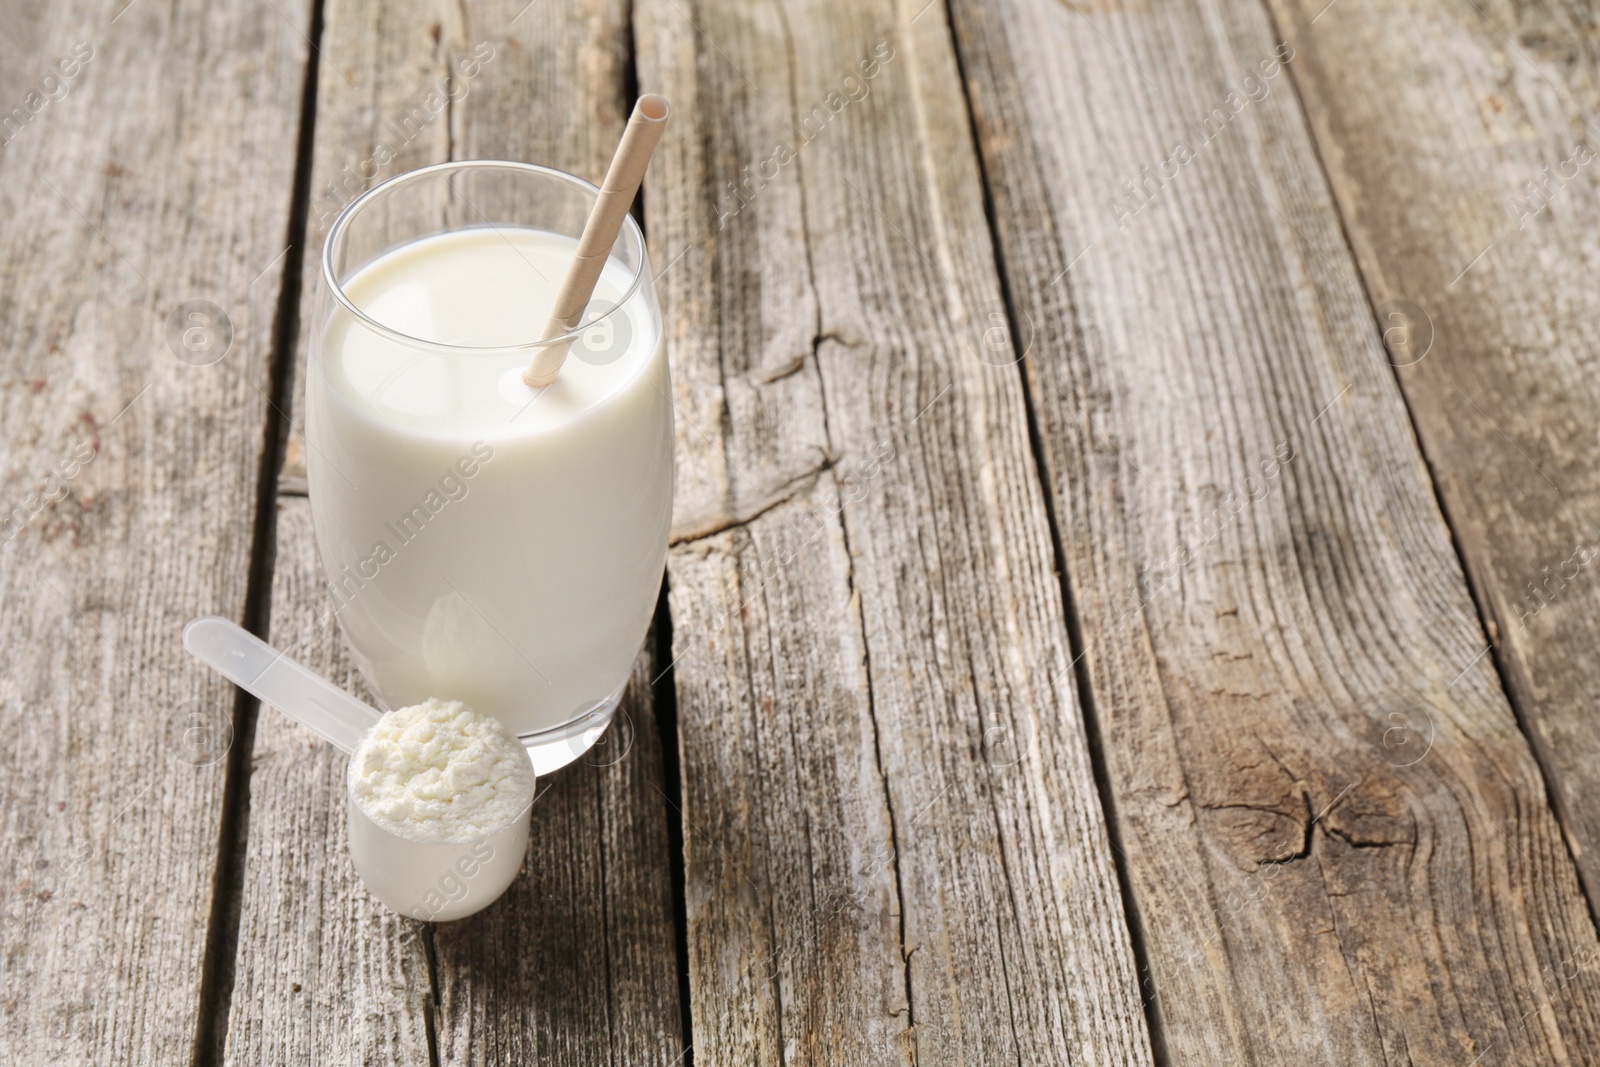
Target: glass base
point(558, 746)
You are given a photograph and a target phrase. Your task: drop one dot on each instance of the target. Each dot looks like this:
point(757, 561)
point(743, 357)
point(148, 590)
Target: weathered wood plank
point(323, 973)
point(581, 968)
point(577, 963)
point(154, 166)
point(894, 848)
point(1505, 400)
point(1338, 842)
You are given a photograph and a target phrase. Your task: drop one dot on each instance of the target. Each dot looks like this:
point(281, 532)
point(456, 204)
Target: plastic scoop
point(434, 881)
point(294, 689)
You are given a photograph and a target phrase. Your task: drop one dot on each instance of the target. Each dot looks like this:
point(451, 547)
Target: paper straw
point(599, 234)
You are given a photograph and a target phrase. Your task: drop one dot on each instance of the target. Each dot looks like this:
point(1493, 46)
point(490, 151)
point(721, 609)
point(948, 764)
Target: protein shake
point(481, 538)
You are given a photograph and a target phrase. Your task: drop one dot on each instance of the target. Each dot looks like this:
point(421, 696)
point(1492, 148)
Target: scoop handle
point(264, 672)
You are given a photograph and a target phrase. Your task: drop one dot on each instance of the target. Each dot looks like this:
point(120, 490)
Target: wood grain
point(1339, 845)
point(1504, 400)
point(577, 963)
point(158, 171)
point(894, 849)
point(1338, 841)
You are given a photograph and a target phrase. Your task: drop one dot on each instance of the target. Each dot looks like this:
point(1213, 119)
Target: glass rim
point(630, 233)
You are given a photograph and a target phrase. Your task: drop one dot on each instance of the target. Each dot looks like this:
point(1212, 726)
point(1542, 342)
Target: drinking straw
point(600, 231)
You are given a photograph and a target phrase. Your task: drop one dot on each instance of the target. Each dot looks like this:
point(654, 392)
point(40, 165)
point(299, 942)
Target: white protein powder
point(441, 772)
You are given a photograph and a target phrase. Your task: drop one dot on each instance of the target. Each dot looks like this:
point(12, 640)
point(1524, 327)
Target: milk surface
point(485, 541)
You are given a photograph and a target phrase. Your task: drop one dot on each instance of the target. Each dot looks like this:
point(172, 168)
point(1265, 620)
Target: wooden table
point(1133, 596)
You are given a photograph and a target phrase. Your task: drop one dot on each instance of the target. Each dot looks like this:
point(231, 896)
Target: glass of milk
point(482, 540)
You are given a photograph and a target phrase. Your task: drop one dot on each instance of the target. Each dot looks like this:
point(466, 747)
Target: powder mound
point(441, 772)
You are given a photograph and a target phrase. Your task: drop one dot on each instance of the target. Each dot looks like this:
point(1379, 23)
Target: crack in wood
point(700, 527)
